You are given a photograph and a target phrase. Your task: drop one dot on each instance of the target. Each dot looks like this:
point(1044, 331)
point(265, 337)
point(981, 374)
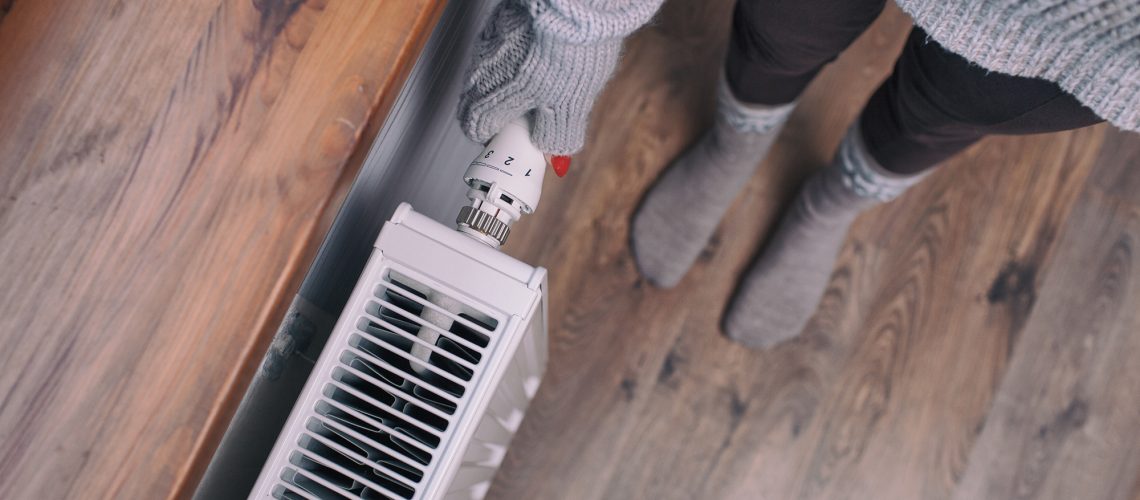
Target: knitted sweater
point(547, 59)
point(1090, 48)
point(551, 57)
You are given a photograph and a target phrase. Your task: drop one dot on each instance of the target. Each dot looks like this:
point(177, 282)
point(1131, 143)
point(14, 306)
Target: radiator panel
point(425, 378)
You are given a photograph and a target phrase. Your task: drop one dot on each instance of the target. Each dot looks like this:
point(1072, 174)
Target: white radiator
point(433, 361)
point(425, 378)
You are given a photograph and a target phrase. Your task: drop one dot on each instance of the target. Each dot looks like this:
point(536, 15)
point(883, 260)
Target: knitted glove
point(548, 58)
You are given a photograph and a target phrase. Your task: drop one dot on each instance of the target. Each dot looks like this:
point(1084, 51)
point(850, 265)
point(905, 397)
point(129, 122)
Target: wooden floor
point(978, 339)
point(167, 171)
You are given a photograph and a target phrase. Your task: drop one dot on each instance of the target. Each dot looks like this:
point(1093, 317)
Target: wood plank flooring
point(978, 338)
point(165, 172)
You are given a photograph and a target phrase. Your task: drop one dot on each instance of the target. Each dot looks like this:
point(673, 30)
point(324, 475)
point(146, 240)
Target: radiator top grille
point(388, 405)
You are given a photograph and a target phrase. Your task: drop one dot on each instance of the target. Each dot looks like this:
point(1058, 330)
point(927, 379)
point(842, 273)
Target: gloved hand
point(549, 58)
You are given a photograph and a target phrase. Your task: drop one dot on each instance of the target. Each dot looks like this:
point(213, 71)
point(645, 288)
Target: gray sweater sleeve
point(590, 21)
point(547, 59)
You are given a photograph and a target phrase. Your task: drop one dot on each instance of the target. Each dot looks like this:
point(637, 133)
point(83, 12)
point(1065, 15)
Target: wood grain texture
point(938, 301)
point(167, 168)
point(1066, 419)
point(5, 6)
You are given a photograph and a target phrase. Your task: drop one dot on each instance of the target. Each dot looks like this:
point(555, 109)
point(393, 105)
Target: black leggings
point(934, 104)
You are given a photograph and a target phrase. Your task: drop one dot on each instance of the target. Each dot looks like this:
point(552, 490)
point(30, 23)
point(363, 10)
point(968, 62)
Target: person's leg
point(776, 48)
point(937, 103)
point(934, 105)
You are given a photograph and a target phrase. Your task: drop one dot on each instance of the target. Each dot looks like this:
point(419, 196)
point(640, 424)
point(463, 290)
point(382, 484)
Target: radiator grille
point(388, 405)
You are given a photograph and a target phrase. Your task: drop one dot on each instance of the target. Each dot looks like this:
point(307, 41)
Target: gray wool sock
point(784, 285)
point(683, 208)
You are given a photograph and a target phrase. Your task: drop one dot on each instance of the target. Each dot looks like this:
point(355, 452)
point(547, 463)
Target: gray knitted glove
point(549, 58)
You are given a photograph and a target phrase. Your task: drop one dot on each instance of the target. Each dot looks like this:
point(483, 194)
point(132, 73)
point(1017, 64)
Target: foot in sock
point(683, 208)
point(784, 285)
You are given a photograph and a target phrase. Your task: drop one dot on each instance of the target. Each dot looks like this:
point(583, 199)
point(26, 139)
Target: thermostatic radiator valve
point(505, 182)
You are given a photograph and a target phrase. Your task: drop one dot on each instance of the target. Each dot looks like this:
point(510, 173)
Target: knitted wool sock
point(683, 208)
point(783, 287)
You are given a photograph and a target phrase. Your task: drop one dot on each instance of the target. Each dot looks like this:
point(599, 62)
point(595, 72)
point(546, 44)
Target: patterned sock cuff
point(863, 175)
point(749, 118)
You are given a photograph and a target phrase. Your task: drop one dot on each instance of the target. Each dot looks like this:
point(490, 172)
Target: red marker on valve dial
point(561, 165)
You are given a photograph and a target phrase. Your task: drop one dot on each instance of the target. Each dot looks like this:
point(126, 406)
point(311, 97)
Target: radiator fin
point(388, 404)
